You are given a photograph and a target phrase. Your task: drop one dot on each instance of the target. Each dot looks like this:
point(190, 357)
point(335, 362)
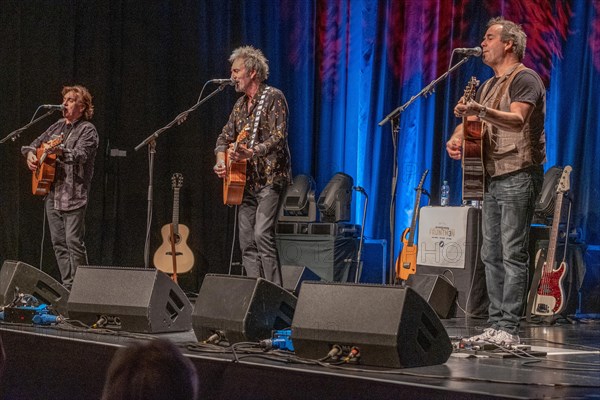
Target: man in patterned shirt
point(67, 200)
point(263, 113)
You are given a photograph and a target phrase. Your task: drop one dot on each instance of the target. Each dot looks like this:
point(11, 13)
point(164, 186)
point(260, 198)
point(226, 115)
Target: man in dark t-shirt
point(511, 107)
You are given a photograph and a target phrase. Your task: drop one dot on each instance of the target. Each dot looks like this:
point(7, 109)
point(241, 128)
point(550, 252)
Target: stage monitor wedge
point(19, 277)
point(437, 290)
point(129, 299)
point(241, 309)
point(392, 326)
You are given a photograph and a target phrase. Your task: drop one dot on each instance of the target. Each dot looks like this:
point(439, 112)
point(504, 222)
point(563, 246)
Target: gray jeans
point(508, 206)
point(257, 219)
point(67, 229)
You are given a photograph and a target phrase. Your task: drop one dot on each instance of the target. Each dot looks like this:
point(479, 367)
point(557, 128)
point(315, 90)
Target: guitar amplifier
point(449, 244)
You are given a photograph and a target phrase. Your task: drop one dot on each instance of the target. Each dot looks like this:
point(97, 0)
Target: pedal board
point(22, 315)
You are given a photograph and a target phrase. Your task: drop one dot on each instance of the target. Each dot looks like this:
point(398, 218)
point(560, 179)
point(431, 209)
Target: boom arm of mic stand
point(426, 90)
point(178, 120)
point(15, 134)
point(150, 141)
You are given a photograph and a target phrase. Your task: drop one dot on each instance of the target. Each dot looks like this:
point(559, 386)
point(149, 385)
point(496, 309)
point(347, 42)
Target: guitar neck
point(413, 223)
point(175, 210)
point(553, 240)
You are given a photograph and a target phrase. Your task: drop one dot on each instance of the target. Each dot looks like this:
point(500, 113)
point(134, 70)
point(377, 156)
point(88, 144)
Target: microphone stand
point(362, 235)
point(150, 141)
point(14, 135)
point(393, 119)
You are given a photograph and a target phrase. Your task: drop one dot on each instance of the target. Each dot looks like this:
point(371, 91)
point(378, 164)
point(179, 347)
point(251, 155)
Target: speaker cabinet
point(437, 291)
point(293, 276)
point(241, 309)
point(392, 326)
point(450, 239)
point(129, 299)
point(18, 277)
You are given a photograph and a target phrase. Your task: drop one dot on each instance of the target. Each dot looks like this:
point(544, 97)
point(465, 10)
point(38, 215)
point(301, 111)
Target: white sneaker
point(503, 338)
point(483, 337)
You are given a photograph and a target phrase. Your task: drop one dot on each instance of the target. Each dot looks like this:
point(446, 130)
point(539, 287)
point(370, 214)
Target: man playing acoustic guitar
point(256, 134)
point(67, 196)
point(512, 107)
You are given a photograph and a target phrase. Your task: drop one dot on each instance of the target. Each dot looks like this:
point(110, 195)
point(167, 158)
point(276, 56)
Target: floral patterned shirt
point(271, 164)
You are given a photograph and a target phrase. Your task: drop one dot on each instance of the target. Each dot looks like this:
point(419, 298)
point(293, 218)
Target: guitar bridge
point(542, 308)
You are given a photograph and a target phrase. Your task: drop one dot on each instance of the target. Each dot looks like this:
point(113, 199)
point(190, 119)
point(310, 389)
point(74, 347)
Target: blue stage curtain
point(346, 64)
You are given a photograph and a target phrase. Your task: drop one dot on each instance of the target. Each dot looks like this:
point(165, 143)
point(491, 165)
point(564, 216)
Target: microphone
point(359, 189)
point(53, 106)
point(469, 51)
point(227, 81)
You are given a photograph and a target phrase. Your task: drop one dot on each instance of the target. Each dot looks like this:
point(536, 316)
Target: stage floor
point(54, 363)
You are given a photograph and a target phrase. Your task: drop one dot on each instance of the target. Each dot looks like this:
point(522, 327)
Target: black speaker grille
point(135, 299)
point(391, 325)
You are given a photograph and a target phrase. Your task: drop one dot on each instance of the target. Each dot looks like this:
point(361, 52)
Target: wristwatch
point(482, 112)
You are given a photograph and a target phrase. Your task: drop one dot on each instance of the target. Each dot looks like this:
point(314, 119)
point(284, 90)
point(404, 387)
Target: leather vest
point(505, 151)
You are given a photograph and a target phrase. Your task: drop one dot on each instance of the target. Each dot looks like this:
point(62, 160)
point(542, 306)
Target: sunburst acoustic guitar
point(43, 177)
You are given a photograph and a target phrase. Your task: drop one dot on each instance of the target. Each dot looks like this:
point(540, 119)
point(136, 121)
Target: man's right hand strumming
point(219, 166)
point(454, 148)
point(32, 161)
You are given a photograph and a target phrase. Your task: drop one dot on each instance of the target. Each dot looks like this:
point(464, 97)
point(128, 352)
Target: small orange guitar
point(43, 177)
point(406, 263)
point(235, 178)
point(472, 158)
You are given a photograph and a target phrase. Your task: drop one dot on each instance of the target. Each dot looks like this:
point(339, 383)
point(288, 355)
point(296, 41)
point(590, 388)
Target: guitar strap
point(257, 115)
point(491, 94)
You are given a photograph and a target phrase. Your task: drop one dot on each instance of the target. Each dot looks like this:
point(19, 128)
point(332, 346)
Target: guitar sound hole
point(177, 239)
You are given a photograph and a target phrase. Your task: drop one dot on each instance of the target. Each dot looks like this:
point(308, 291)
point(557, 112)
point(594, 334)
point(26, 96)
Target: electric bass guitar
point(174, 256)
point(472, 157)
point(550, 296)
point(43, 177)
point(235, 177)
point(406, 263)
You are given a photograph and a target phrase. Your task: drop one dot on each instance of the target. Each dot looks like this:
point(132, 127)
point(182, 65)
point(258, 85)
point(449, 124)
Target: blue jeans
point(508, 206)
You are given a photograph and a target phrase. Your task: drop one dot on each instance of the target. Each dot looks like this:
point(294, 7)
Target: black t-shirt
point(525, 88)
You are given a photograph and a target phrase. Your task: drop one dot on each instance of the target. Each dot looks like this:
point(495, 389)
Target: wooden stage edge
point(51, 363)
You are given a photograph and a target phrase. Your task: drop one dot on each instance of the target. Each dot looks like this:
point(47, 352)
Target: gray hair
point(254, 60)
point(511, 32)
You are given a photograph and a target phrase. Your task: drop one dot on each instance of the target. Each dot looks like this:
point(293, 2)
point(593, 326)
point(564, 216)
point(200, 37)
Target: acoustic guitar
point(406, 263)
point(550, 294)
point(235, 177)
point(43, 177)
point(174, 256)
point(472, 157)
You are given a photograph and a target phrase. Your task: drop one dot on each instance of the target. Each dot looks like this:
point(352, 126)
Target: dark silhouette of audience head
point(154, 370)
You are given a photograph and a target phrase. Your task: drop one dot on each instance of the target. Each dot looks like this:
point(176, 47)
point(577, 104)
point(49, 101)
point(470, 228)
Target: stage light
point(334, 201)
point(299, 203)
